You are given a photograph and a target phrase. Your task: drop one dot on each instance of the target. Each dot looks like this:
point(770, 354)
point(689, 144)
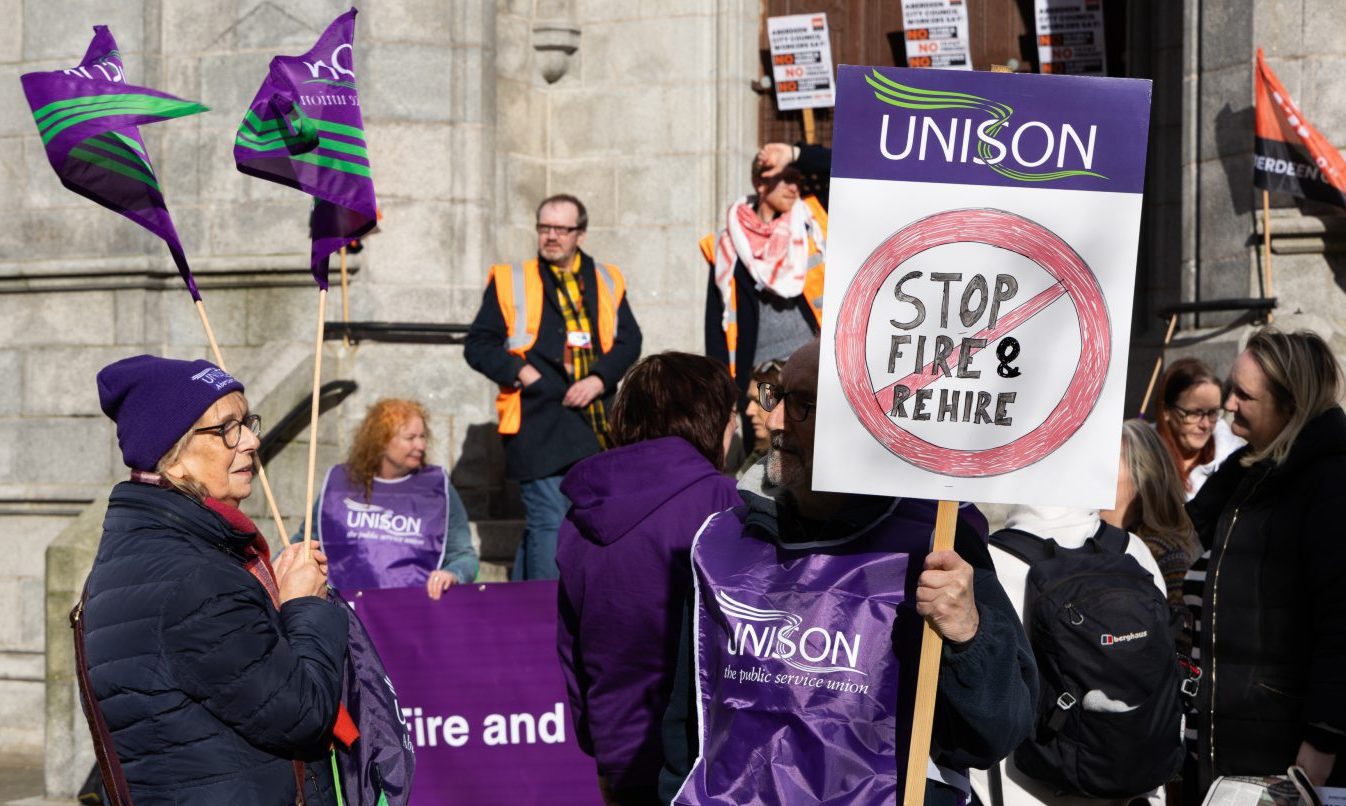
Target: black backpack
point(1109, 677)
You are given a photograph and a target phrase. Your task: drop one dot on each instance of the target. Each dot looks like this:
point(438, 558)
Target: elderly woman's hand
point(298, 576)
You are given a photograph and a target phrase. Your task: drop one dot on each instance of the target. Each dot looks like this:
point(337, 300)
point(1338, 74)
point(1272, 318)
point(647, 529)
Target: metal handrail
point(330, 395)
point(400, 332)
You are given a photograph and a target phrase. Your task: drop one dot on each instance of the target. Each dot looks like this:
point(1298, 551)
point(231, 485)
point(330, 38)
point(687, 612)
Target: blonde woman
point(1272, 634)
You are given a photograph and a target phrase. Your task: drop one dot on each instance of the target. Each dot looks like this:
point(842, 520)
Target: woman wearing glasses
point(1189, 422)
point(1272, 630)
point(217, 675)
point(386, 518)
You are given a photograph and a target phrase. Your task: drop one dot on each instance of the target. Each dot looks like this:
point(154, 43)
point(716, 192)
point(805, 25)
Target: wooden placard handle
point(313, 424)
point(927, 674)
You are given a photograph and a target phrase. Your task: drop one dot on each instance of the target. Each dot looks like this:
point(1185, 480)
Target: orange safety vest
point(523, 320)
point(813, 281)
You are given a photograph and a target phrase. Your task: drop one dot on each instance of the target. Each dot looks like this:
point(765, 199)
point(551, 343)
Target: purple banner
point(973, 128)
point(88, 116)
point(480, 686)
point(304, 129)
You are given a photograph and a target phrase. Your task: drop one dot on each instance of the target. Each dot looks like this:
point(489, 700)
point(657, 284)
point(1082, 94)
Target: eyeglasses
point(552, 229)
point(1193, 416)
point(769, 396)
point(230, 431)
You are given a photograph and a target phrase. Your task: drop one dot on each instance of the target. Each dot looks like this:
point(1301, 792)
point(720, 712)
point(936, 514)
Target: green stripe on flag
point(273, 141)
point(116, 150)
point(334, 163)
point(114, 166)
point(264, 128)
point(129, 142)
point(90, 102)
point(161, 110)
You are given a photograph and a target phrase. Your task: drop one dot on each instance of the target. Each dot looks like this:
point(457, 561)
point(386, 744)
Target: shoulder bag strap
point(109, 766)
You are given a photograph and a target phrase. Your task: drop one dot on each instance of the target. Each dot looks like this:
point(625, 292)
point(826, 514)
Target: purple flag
point(304, 130)
point(87, 116)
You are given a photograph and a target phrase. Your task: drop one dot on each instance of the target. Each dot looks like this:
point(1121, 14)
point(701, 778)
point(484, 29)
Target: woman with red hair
point(386, 518)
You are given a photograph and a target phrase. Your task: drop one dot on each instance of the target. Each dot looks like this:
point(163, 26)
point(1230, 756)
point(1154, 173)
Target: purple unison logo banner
point(88, 116)
point(304, 129)
point(1012, 130)
point(480, 688)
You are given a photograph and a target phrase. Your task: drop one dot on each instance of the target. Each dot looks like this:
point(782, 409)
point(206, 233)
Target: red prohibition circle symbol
point(1006, 231)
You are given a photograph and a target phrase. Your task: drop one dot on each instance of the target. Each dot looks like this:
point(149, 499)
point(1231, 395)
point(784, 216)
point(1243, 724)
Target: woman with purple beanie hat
point(218, 676)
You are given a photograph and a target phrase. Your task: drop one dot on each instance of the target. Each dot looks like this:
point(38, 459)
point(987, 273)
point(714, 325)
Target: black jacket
point(551, 437)
point(207, 689)
point(745, 354)
point(987, 694)
point(1273, 645)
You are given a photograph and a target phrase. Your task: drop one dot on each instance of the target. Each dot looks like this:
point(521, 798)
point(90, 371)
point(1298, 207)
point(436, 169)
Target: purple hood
point(615, 491)
point(623, 554)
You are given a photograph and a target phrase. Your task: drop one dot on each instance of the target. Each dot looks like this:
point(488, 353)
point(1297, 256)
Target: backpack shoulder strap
point(109, 766)
point(1024, 545)
point(1111, 539)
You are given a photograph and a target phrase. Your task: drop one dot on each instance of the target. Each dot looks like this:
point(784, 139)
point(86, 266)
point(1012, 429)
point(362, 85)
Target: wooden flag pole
point(927, 675)
point(810, 134)
point(1266, 249)
point(313, 424)
point(261, 471)
point(345, 303)
point(1158, 362)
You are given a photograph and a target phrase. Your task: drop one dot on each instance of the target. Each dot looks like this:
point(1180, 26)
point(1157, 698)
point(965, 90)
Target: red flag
point(1290, 156)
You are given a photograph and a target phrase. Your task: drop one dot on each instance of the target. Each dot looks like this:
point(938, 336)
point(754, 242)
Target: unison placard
point(980, 269)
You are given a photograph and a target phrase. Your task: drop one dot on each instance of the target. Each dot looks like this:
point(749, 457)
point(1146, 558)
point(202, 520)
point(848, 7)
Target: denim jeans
point(544, 508)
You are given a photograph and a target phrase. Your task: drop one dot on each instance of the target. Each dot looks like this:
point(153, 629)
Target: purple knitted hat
point(155, 400)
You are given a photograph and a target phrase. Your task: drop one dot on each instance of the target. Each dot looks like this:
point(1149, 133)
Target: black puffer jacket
point(207, 689)
point(1273, 645)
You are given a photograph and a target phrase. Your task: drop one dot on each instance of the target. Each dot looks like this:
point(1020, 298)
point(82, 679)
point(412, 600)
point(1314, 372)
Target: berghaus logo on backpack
point(1108, 639)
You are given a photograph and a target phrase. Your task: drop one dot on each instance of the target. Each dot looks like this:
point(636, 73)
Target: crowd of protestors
point(673, 494)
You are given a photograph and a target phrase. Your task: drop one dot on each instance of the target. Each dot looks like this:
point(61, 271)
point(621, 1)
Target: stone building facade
point(474, 110)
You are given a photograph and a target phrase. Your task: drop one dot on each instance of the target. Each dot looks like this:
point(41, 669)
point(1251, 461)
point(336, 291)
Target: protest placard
point(936, 34)
point(1070, 37)
point(480, 688)
point(980, 272)
point(801, 61)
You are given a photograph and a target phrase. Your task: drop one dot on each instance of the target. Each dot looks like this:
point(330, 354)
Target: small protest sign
point(981, 264)
point(936, 34)
point(1070, 37)
point(801, 61)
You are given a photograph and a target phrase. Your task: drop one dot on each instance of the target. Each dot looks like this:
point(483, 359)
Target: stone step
point(496, 540)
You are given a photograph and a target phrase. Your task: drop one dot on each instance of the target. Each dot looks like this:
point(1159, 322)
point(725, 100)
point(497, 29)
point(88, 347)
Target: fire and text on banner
point(480, 687)
point(801, 61)
point(1070, 37)
point(936, 34)
point(980, 275)
point(1290, 155)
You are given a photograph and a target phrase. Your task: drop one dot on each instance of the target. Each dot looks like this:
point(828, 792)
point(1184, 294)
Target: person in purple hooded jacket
point(623, 558)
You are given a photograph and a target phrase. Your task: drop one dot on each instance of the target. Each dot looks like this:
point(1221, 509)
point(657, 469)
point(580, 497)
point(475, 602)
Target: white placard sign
point(936, 34)
point(1070, 37)
point(801, 61)
point(980, 270)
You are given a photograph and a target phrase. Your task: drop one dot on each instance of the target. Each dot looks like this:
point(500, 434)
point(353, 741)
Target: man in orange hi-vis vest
point(765, 294)
point(556, 333)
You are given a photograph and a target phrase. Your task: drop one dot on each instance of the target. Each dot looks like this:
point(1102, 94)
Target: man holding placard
point(796, 684)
